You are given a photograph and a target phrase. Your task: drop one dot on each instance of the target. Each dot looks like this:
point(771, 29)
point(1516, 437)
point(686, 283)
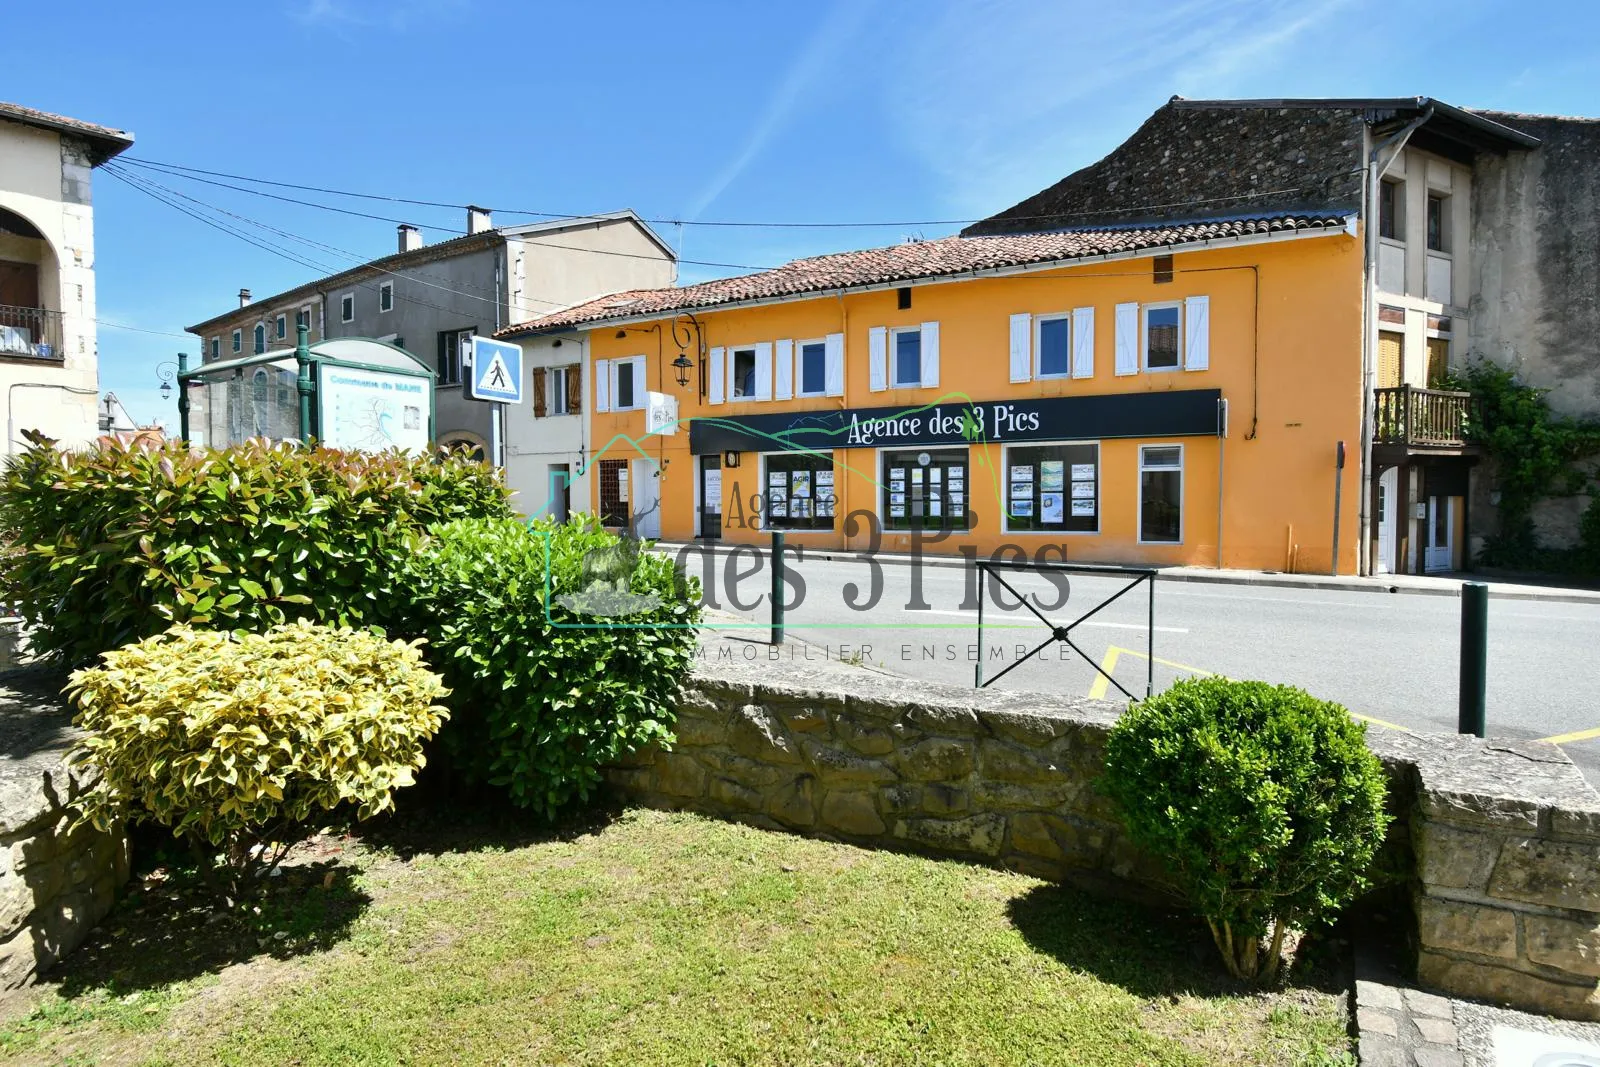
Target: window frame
point(1099, 480)
point(1144, 336)
point(895, 333)
point(820, 458)
point(1443, 200)
point(733, 376)
point(280, 325)
point(885, 522)
point(385, 290)
point(1139, 495)
point(351, 297)
point(215, 346)
point(555, 401)
point(637, 383)
point(454, 362)
point(800, 366)
point(1038, 345)
point(258, 337)
point(1392, 223)
point(238, 339)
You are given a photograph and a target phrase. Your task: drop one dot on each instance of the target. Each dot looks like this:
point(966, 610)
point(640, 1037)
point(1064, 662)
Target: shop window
point(907, 356)
point(1054, 345)
point(813, 368)
point(744, 373)
point(1053, 488)
point(1162, 324)
point(799, 491)
point(1161, 494)
point(614, 492)
point(926, 489)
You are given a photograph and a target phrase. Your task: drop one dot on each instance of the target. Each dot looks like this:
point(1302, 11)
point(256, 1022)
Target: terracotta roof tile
point(912, 261)
point(108, 141)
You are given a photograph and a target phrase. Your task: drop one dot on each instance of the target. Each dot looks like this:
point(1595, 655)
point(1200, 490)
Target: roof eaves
point(108, 141)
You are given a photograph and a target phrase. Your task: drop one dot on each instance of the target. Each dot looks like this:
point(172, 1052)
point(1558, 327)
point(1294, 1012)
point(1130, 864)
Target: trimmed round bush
point(1263, 802)
point(235, 741)
point(564, 646)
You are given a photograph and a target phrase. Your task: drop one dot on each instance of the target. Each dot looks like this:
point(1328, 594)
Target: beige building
point(49, 360)
point(427, 298)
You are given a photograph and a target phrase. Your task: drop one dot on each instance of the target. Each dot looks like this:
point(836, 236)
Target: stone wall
point(1505, 837)
point(56, 882)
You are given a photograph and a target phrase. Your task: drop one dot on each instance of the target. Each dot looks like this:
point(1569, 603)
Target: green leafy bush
point(234, 741)
point(1264, 803)
point(119, 542)
point(554, 672)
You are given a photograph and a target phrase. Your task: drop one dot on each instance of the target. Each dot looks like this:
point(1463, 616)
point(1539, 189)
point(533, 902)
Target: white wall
point(534, 444)
point(37, 166)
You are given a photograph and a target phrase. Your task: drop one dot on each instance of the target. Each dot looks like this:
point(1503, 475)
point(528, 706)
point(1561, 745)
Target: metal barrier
point(989, 569)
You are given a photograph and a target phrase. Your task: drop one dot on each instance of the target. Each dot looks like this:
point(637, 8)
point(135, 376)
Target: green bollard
point(1474, 651)
point(777, 588)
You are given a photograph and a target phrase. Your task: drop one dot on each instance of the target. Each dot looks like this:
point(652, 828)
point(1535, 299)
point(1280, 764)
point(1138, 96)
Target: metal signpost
point(496, 376)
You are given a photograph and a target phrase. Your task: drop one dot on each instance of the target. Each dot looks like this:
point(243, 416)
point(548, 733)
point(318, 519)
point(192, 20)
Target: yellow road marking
point(1576, 735)
point(1097, 691)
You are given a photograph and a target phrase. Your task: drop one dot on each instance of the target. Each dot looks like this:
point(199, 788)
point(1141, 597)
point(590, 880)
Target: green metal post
point(183, 398)
point(302, 356)
point(1474, 653)
point(777, 588)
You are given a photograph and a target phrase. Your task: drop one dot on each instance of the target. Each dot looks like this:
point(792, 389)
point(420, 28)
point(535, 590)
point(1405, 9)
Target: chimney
point(478, 219)
point(244, 298)
point(410, 237)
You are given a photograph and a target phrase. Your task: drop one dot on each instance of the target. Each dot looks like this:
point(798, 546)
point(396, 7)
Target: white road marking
point(973, 615)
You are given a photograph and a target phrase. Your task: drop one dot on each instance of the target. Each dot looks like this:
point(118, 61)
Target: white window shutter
point(1083, 342)
point(783, 370)
point(602, 385)
point(1021, 347)
point(1197, 333)
point(733, 379)
point(640, 382)
point(764, 370)
point(835, 364)
point(930, 355)
point(1127, 338)
point(714, 388)
point(878, 359)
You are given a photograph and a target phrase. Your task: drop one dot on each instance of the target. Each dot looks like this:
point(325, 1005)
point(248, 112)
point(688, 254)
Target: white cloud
point(1005, 97)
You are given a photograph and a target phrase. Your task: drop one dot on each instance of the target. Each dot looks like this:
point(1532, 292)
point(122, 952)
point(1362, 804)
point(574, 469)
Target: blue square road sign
point(496, 371)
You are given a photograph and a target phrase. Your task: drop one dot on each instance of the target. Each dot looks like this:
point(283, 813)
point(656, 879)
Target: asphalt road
point(1390, 658)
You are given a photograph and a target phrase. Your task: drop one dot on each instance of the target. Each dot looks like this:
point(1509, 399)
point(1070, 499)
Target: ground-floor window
point(1161, 494)
point(926, 488)
point(1053, 487)
point(614, 492)
point(799, 491)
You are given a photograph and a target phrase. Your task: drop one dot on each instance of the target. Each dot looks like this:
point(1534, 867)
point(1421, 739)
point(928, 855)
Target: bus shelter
point(350, 393)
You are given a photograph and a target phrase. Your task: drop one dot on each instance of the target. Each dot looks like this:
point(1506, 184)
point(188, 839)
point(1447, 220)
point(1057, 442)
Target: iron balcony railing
point(31, 332)
point(1429, 418)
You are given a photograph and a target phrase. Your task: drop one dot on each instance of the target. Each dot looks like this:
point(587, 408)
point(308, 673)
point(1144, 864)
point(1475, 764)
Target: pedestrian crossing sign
point(496, 371)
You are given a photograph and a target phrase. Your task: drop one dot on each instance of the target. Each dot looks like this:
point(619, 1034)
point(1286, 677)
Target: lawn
point(652, 938)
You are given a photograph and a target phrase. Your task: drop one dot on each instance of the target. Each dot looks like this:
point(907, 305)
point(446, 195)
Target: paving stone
point(1379, 1050)
point(1378, 995)
point(1436, 1057)
point(1376, 1021)
point(1436, 1031)
point(1428, 1005)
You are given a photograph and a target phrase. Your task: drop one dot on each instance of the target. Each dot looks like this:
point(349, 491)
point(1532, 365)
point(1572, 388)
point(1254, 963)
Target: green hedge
point(119, 542)
point(1263, 802)
point(542, 699)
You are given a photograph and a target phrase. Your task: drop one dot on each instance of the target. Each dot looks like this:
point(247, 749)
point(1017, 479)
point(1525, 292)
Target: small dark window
point(1438, 227)
point(904, 294)
point(907, 357)
point(1055, 347)
point(347, 308)
point(261, 338)
point(625, 385)
point(744, 373)
point(1163, 269)
point(813, 368)
point(386, 296)
point(1389, 210)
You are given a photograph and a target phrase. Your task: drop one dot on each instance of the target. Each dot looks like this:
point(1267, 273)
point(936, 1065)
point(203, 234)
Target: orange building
point(1159, 394)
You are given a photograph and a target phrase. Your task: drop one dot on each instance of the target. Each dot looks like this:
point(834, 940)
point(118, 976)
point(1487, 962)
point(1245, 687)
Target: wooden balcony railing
point(31, 332)
point(1430, 418)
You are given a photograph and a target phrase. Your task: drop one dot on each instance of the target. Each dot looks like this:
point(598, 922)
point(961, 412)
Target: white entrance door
point(646, 493)
point(1441, 534)
point(1388, 505)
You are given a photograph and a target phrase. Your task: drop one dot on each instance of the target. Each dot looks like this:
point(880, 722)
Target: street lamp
point(685, 339)
point(166, 376)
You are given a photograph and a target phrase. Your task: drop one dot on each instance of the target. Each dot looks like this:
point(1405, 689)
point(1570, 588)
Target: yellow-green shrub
point(236, 740)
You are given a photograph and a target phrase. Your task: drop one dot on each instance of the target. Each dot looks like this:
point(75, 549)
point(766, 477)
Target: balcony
point(33, 333)
point(1424, 419)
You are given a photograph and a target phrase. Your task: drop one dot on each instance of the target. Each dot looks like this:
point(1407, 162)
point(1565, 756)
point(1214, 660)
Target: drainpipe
point(1369, 324)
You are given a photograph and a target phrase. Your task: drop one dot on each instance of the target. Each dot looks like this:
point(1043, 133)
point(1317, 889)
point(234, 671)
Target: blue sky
point(822, 111)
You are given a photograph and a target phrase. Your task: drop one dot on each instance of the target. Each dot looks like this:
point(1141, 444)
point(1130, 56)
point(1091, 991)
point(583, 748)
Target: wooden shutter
point(1391, 359)
point(574, 390)
point(930, 355)
point(764, 371)
point(878, 359)
point(1127, 338)
point(835, 364)
point(1021, 347)
point(1197, 333)
point(714, 365)
point(1083, 342)
point(602, 385)
point(783, 370)
point(538, 393)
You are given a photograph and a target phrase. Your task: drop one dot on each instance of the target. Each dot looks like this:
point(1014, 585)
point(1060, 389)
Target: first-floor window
point(216, 348)
point(282, 326)
point(926, 488)
point(1162, 347)
point(1054, 346)
point(614, 492)
point(558, 390)
point(261, 337)
point(799, 491)
point(386, 296)
point(813, 368)
point(1161, 494)
point(450, 342)
point(238, 340)
point(347, 307)
point(907, 356)
point(627, 392)
point(1053, 487)
point(744, 373)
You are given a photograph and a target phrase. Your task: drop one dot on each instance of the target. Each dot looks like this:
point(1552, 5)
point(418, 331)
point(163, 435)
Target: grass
point(654, 939)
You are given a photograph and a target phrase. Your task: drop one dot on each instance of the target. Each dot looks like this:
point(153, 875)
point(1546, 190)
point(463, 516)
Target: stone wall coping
point(36, 734)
